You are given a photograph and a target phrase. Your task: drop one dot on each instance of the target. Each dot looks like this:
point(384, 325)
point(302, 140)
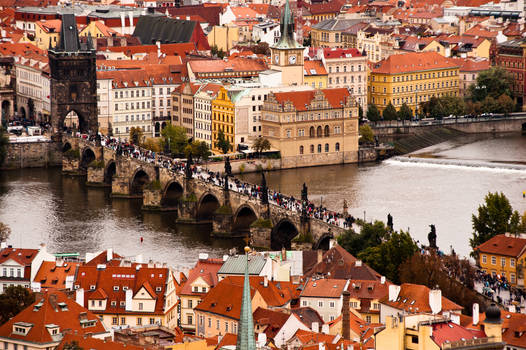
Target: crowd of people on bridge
point(498, 288)
point(128, 149)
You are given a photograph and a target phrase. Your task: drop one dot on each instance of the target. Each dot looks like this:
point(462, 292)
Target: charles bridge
point(194, 200)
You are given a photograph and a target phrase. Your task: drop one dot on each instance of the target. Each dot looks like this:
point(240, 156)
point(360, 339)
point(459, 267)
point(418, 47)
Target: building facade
point(223, 119)
point(512, 57)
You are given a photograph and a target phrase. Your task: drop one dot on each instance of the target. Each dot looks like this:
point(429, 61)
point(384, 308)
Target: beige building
point(224, 37)
point(329, 33)
point(378, 43)
point(347, 68)
point(324, 296)
point(203, 112)
point(183, 107)
point(314, 127)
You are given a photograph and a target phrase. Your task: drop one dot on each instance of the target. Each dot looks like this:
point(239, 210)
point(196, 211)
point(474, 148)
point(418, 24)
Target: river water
point(441, 185)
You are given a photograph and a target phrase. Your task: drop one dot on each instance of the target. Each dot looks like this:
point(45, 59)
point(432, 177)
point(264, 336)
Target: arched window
point(319, 148)
point(311, 148)
point(318, 131)
point(301, 149)
point(326, 131)
point(311, 131)
point(337, 147)
point(326, 147)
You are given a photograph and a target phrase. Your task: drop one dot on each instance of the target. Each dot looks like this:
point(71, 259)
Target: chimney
point(225, 257)
point(139, 259)
point(435, 300)
point(158, 43)
point(128, 300)
point(346, 317)
point(315, 327)
point(203, 256)
point(325, 328)
point(320, 255)
point(150, 264)
point(109, 255)
point(69, 282)
point(382, 280)
point(332, 242)
point(79, 296)
point(358, 263)
point(476, 314)
point(265, 281)
point(123, 22)
point(283, 254)
point(130, 16)
point(394, 290)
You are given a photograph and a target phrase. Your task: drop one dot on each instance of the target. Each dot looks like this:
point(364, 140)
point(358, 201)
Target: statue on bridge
point(304, 193)
point(228, 167)
point(304, 202)
point(264, 189)
point(188, 168)
point(225, 183)
point(390, 221)
point(432, 237)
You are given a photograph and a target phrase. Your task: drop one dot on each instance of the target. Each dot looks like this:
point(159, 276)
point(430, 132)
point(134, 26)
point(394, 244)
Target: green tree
point(74, 345)
point(387, 257)
point(390, 112)
point(489, 105)
point(492, 82)
point(506, 104)
point(175, 136)
point(198, 149)
point(30, 108)
point(366, 134)
point(4, 143)
point(13, 300)
point(136, 135)
point(373, 114)
point(5, 232)
point(372, 234)
point(405, 113)
point(494, 217)
point(261, 144)
point(222, 143)
point(452, 105)
point(152, 144)
point(360, 112)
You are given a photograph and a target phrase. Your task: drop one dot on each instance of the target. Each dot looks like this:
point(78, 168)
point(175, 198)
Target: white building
point(203, 112)
point(267, 32)
point(33, 83)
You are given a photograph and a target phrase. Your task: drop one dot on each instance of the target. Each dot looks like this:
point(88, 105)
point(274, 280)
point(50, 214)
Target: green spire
point(245, 334)
point(286, 26)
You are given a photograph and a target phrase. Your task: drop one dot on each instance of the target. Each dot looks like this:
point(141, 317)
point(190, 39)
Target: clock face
point(292, 59)
point(276, 59)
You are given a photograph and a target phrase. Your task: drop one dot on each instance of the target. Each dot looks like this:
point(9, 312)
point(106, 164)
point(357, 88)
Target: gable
point(143, 293)
point(11, 262)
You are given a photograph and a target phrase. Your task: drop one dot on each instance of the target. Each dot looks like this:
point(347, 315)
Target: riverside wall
point(32, 155)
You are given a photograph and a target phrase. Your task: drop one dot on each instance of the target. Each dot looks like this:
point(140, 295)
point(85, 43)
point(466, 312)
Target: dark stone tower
point(73, 79)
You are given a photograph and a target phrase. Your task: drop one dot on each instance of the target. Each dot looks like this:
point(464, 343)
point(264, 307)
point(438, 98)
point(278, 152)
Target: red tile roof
point(178, 49)
point(50, 26)
point(330, 7)
point(102, 258)
point(204, 269)
point(309, 337)
point(53, 276)
point(450, 332)
point(238, 64)
point(363, 289)
point(314, 67)
point(504, 244)
point(514, 329)
point(49, 310)
point(300, 99)
point(329, 53)
point(22, 256)
point(413, 62)
point(324, 288)
point(269, 320)
point(415, 298)
point(228, 339)
point(471, 65)
point(93, 343)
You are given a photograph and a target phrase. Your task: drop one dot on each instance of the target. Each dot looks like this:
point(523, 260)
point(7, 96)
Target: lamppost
point(416, 101)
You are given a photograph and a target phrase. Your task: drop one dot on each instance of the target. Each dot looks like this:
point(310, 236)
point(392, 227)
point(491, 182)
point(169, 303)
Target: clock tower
point(287, 54)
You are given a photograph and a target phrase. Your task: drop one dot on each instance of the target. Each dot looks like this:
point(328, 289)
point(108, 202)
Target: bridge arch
point(245, 215)
point(524, 128)
point(137, 182)
point(207, 205)
point(66, 146)
point(324, 242)
point(282, 234)
point(109, 172)
point(172, 194)
point(86, 158)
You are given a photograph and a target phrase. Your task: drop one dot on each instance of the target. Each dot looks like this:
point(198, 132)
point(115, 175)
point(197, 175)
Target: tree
point(390, 112)
point(360, 112)
point(262, 48)
point(152, 144)
point(366, 134)
point(452, 105)
point(222, 143)
point(175, 136)
point(506, 104)
point(4, 143)
point(136, 135)
point(5, 232)
point(261, 144)
point(198, 149)
point(492, 82)
point(495, 216)
point(13, 300)
point(405, 113)
point(74, 345)
point(372, 234)
point(489, 105)
point(387, 257)
point(373, 114)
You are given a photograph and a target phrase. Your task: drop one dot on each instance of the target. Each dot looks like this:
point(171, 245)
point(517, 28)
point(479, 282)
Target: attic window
point(158, 289)
point(122, 303)
point(63, 306)
point(22, 328)
point(92, 287)
point(124, 287)
point(115, 287)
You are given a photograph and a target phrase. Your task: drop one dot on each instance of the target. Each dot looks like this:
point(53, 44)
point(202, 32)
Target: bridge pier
point(151, 199)
point(96, 176)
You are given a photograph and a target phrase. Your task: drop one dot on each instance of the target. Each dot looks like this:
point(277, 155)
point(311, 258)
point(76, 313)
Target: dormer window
point(158, 289)
point(115, 288)
point(196, 289)
point(53, 329)
point(124, 287)
point(22, 328)
point(113, 303)
point(92, 287)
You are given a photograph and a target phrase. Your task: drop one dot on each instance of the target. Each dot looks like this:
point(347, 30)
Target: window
point(337, 147)
point(493, 260)
point(209, 322)
point(140, 306)
point(114, 320)
point(189, 319)
point(502, 262)
point(123, 320)
point(414, 339)
point(226, 327)
point(368, 319)
point(190, 304)
point(304, 303)
point(301, 149)
point(311, 148)
point(139, 319)
point(152, 320)
point(331, 304)
point(512, 262)
point(326, 147)
point(217, 324)
point(319, 148)
point(320, 303)
point(512, 278)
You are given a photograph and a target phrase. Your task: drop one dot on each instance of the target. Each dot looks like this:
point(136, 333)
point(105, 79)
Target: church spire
point(286, 26)
point(245, 335)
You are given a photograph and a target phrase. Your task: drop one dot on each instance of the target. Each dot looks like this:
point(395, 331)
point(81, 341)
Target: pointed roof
point(286, 26)
point(69, 35)
point(245, 337)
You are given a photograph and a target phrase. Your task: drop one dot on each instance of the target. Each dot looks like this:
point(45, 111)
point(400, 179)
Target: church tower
point(287, 54)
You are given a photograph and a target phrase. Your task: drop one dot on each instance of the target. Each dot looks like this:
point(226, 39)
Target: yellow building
point(504, 255)
point(412, 78)
point(47, 33)
point(330, 33)
point(435, 332)
point(223, 118)
point(314, 74)
point(97, 29)
point(224, 37)
point(314, 127)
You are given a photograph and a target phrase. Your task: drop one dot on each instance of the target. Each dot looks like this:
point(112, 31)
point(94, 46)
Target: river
point(441, 185)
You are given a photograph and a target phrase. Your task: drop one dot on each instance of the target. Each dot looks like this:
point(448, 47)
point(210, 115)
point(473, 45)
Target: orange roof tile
point(204, 269)
point(309, 337)
point(300, 99)
point(504, 244)
point(413, 62)
point(324, 288)
point(238, 64)
point(415, 298)
point(53, 276)
point(471, 65)
point(314, 67)
point(93, 343)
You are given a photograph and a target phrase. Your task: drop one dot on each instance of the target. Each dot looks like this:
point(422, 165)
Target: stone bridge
point(193, 200)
